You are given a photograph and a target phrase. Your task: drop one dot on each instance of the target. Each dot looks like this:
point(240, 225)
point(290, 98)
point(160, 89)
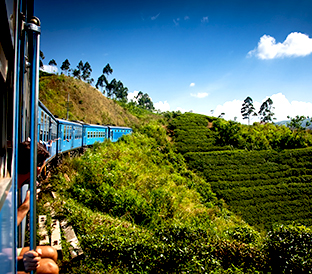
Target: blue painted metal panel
point(94, 133)
point(70, 134)
point(116, 132)
point(47, 129)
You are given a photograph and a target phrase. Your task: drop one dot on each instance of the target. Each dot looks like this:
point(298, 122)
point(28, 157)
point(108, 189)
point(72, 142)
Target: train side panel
point(69, 135)
point(116, 132)
point(47, 130)
point(94, 133)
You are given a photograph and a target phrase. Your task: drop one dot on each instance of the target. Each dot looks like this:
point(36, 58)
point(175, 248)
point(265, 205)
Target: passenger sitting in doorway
point(43, 260)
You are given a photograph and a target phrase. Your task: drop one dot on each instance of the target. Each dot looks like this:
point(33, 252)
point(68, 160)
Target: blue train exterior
point(94, 133)
point(116, 132)
point(69, 135)
point(60, 135)
point(22, 118)
point(47, 129)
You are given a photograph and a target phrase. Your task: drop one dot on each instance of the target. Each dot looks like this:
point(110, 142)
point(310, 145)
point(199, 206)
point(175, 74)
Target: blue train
point(23, 117)
point(60, 135)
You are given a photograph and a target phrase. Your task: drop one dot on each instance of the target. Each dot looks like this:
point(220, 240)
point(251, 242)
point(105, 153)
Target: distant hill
point(86, 103)
point(284, 123)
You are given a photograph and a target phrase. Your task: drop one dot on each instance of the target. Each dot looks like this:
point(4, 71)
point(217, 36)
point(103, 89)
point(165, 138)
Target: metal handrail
point(34, 30)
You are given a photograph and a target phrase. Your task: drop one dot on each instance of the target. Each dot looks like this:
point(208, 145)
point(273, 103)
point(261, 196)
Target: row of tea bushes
point(264, 187)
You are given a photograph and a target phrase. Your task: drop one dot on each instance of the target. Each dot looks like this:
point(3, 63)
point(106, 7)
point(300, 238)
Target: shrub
point(289, 249)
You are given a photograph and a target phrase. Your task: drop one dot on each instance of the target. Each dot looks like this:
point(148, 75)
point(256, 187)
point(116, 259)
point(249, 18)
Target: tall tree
point(53, 63)
point(266, 111)
point(144, 101)
point(101, 83)
point(248, 109)
point(111, 87)
point(107, 70)
point(86, 71)
point(65, 66)
point(297, 122)
point(118, 90)
point(78, 72)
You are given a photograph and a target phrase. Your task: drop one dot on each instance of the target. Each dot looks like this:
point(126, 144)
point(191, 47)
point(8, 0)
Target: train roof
point(117, 127)
point(95, 126)
point(46, 110)
point(62, 121)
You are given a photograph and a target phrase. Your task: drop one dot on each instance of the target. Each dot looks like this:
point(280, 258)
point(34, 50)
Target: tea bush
point(289, 249)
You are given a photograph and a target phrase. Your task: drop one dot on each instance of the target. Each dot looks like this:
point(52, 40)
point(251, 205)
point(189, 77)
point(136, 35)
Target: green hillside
point(265, 183)
point(86, 103)
point(137, 207)
point(199, 133)
point(264, 187)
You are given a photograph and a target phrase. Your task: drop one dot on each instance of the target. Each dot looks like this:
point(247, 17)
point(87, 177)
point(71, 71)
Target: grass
point(86, 103)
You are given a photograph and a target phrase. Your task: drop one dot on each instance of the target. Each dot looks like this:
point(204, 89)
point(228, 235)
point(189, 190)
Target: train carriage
point(116, 132)
point(47, 130)
point(69, 134)
point(94, 133)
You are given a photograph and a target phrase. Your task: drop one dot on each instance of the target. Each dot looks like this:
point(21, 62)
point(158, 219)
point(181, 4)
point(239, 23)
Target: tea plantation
point(263, 172)
point(264, 187)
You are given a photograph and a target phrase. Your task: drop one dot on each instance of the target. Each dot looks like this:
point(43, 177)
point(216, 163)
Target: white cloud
point(155, 17)
point(162, 106)
point(205, 19)
point(131, 95)
point(296, 44)
point(200, 94)
point(186, 17)
point(192, 84)
point(50, 69)
point(230, 109)
point(282, 108)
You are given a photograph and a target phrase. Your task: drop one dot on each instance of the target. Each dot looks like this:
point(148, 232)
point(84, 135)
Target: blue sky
point(194, 55)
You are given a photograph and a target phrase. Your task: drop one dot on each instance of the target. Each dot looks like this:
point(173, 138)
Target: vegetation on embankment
point(85, 104)
point(136, 208)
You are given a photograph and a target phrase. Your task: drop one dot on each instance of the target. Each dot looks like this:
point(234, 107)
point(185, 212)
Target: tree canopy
point(248, 109)
point(144, 101)
point(65, 66)
point(266, 111)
